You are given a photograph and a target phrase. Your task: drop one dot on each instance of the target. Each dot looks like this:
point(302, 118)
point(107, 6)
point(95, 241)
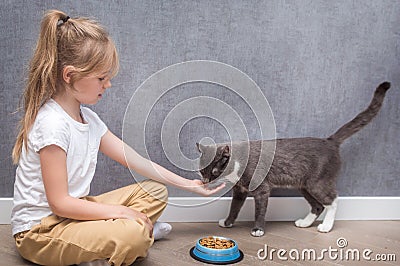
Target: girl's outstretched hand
point(200, 188)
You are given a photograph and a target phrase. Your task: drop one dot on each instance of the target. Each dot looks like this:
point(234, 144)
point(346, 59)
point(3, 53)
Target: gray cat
point(308, 164)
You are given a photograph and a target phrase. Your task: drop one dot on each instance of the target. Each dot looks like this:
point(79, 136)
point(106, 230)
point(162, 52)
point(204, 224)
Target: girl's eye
point(102, 79)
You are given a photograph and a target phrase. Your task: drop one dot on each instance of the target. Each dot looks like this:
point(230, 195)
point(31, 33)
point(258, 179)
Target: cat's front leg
point(238, 198)
point(261, 204)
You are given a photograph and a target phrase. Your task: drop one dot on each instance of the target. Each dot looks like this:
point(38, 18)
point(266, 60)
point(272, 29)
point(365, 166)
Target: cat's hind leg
point(328, 198)
point(324, 191)
point(238, 198)
point(316, 210)
point(329, 219)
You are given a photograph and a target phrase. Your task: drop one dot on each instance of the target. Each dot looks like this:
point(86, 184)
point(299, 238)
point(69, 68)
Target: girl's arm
point(114, 147)
point(54, 173)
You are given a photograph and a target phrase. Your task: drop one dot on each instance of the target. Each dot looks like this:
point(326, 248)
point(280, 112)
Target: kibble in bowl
point(216, 250)
point(216, 242)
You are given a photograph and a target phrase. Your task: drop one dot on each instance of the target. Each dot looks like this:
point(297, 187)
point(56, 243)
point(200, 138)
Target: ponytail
point(62, 41)
point(42, 77)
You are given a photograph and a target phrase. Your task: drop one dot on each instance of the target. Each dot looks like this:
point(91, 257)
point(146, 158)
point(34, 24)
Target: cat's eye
point(224, 161)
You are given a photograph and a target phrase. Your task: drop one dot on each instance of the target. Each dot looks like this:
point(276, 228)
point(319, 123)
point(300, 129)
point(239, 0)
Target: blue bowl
point(216, 256)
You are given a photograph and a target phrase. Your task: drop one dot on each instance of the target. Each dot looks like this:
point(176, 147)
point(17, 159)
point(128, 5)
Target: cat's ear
point(227, 151)
point(199, 147)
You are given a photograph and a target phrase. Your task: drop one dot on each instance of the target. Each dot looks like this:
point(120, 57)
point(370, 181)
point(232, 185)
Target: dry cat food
point(216, 243)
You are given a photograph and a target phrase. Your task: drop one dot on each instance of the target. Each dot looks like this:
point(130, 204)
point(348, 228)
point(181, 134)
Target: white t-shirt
point(80, 142)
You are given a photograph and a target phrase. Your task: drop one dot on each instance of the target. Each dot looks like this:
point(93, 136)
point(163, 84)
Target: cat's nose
point(205, 180)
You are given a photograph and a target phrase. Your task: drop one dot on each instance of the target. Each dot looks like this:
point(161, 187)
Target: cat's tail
point(364, 117)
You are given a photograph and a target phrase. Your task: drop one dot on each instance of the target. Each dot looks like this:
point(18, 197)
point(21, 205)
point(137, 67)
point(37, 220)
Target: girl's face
point(90, 89)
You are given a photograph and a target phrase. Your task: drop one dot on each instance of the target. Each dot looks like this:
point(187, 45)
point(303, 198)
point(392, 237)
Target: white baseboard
point(280, 209)
point(200, 209)
point(5, 210)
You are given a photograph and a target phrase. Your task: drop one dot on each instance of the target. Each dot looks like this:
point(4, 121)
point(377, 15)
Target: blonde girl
point(54, 221)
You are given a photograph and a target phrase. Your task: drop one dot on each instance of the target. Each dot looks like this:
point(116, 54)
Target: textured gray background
point(317, 63)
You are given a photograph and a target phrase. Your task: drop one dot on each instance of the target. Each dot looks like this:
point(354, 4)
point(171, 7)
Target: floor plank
point(381, 237)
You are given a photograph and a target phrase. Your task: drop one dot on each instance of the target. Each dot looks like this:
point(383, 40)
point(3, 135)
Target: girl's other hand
point(138, 216)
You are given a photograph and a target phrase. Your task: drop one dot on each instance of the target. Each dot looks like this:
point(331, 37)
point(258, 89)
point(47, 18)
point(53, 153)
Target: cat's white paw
point(222, 224)
point(257, 232)
point(324, 228)
point(307, 221)
point(302, 223)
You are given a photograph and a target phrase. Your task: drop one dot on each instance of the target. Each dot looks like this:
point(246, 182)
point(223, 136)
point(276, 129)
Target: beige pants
point(61, 241)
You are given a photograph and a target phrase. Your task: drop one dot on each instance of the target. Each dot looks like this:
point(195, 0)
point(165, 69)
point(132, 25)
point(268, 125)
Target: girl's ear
point(67, 73)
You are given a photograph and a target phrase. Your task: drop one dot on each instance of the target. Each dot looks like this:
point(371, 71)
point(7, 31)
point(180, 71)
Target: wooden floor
point(381, 237)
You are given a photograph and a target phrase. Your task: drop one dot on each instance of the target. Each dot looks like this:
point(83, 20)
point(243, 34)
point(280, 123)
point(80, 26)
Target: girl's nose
point(107, 84)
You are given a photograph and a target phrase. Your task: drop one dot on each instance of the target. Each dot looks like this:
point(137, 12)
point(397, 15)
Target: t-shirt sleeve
point(49, 130)
point(96, 124)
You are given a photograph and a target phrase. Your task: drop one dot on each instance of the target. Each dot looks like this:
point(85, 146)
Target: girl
point(54, 221)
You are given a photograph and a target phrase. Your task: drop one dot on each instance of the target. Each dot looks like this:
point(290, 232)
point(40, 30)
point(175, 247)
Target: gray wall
point(317, 62)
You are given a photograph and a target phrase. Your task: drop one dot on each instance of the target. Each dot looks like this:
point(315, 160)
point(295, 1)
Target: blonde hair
point(63, 41)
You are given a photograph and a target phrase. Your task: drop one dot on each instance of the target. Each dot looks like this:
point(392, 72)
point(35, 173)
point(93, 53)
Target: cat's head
point(213, 161)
